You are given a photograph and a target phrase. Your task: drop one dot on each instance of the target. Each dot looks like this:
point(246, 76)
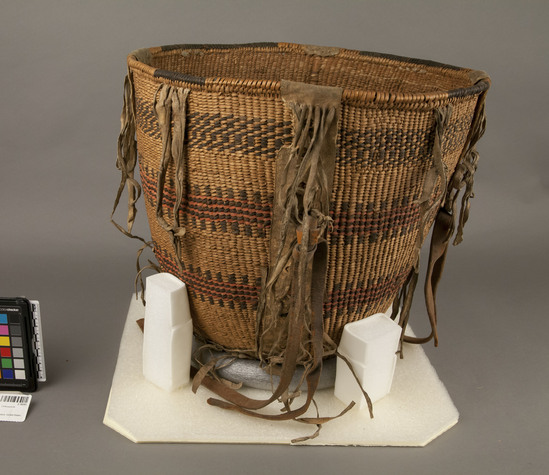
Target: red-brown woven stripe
point(230, 213)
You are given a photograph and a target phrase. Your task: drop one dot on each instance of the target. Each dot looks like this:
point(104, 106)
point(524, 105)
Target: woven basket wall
point(236, 122)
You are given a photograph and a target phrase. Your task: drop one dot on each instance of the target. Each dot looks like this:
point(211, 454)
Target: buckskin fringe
point(435, 177)
point(444, 225)
point(170, 105)
point(304, 179)
point(290, 309)
point(126, 162)
point(465, 171)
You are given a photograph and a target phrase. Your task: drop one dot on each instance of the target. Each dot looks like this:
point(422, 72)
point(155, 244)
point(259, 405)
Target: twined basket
point(291, 187)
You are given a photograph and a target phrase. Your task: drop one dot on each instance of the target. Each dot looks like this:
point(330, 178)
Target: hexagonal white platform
point(417, 410)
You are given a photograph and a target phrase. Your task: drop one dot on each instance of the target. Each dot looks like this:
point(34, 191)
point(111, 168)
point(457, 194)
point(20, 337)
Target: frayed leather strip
point(304, 179)
point(445, 224)
point(290, 310)
point(170, 107)
point(465, 170)
point(126, 162)
point(364, 393)
point(435, 179)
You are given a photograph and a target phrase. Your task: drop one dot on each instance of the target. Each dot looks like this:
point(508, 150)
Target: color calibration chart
point(12, 360)
point(21, 355)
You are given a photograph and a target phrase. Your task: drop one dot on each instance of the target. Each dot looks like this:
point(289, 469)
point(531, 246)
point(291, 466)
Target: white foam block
point(417, 410)
point(167, 342)
point(370, 347)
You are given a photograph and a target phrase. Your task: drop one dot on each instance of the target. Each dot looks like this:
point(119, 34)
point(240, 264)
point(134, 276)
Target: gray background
point(61, 70)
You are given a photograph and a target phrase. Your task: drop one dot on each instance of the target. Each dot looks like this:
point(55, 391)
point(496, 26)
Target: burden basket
point(291, 188)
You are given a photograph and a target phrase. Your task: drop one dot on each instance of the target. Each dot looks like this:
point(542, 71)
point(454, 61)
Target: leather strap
point(445, 224)
point(126, 161)
point(290, 310)
point(442, 232)
point(170, 106)
point(316, 260)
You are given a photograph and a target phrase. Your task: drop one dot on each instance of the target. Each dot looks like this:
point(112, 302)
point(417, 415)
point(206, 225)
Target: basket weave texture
point(235, 123)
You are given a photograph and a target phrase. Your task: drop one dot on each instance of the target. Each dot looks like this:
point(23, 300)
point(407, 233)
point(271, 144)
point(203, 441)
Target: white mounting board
point(417, 410)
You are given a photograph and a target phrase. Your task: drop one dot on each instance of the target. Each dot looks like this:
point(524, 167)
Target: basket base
point(417, 410)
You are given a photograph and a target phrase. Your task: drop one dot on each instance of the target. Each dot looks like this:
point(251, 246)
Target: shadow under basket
point(291, 187)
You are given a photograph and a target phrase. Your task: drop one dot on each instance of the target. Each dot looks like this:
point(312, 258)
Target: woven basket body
point(235, 124)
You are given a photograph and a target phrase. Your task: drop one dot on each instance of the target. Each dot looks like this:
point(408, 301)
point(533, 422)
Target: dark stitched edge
point(470, 91)
point(174, 76)
point(199, 80)
point(210, 46)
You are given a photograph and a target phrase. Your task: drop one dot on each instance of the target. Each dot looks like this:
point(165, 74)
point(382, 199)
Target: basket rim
point(139, 59)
